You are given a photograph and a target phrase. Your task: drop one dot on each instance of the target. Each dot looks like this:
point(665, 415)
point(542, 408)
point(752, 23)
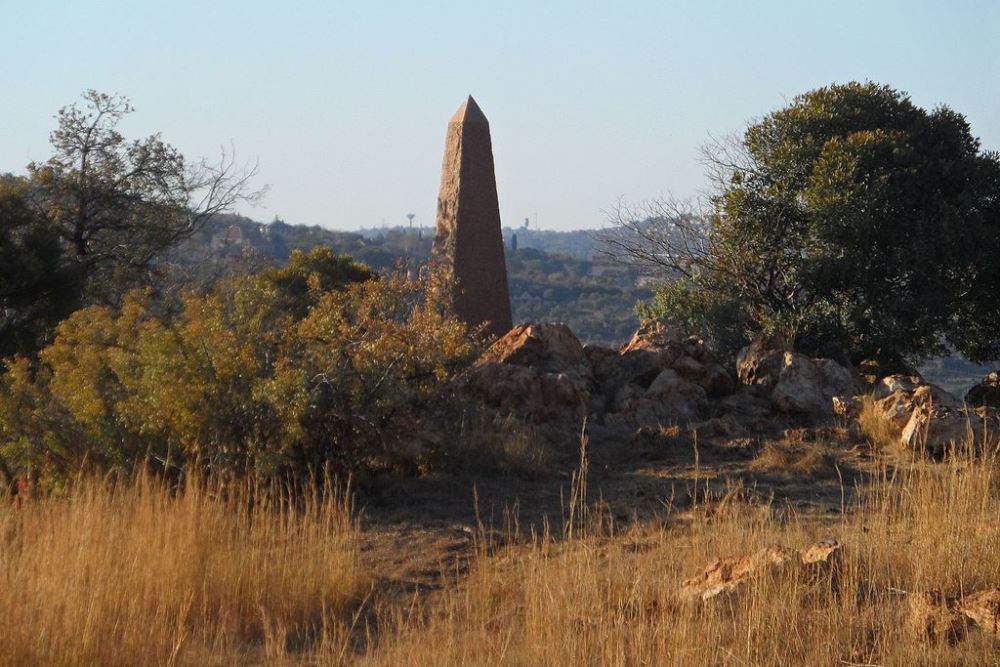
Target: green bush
point(255, 376)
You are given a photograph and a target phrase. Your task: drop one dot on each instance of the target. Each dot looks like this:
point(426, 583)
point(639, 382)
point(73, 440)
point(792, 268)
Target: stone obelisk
point(468, 243)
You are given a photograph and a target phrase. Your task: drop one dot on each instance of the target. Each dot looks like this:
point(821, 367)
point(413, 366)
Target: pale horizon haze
point(345, 105)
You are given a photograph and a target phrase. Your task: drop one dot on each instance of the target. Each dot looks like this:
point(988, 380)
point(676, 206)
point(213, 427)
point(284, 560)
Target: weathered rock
point(893, 383)
point(934, 428)
point(547, 347)
point(758, 364)
point(726, 576)
point(671, 398)
point(467, 242)
point(897, 408)
point(528, 393)
point(846, 406)
point(807, 386)
point(986, 393)
point(934, 617)
point(983, 609)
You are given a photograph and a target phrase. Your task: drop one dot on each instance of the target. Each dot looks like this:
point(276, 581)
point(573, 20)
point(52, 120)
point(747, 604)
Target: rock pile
point(541, 372)
point(928, 418)
point(797, 384)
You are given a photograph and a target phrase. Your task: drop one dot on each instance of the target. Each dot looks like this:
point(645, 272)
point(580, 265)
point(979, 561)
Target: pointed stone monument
point(468, 242)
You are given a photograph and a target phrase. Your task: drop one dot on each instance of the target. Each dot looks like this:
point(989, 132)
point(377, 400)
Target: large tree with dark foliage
point(851, 217)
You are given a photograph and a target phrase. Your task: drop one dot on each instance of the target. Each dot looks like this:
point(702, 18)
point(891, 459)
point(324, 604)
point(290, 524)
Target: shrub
point(255, 376)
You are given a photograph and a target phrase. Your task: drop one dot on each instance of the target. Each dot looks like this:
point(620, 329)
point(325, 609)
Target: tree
point(117, 205)
point(852, 218)
point(36, 284)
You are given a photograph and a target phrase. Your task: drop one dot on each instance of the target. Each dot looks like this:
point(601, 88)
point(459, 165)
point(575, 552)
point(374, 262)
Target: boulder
point(893, 383)
point(547, 347)
point(986, 393)
point(934, 428)
point(758, 364)
point(983, 609)
point(536, 371)
point(807, 386)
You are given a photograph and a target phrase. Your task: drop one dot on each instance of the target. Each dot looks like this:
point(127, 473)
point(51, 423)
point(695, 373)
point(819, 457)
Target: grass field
point(134, 574)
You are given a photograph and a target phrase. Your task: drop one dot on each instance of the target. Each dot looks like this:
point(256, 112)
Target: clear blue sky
point(345, 104)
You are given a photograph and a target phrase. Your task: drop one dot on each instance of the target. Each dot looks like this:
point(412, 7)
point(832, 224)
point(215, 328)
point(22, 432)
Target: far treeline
point(850, 223)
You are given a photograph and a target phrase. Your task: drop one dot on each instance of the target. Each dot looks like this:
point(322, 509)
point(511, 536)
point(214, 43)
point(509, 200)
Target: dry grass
point(878, 430)
point(138, 575)
point(808, 460)
point(611, 601)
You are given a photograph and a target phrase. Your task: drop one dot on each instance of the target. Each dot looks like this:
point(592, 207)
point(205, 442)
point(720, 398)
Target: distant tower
point(468, 242)
point(513, 243)
point(526, 223)
point(410, 217)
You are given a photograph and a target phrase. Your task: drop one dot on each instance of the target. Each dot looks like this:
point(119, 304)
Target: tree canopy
point(851, 217)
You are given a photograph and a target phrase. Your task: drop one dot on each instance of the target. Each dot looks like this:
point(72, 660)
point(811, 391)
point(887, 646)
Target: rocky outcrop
point(542, 372)
point(986, 393)
point(538, 372)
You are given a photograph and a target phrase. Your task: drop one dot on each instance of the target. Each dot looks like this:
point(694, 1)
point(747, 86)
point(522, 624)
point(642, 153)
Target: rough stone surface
point(983, 609)
point(468, 243)
point(933, 617)
point(759, 365)
point(547, 347)
point(986, 393)
point(807, 386)
point(934, 428)
point(726, 576)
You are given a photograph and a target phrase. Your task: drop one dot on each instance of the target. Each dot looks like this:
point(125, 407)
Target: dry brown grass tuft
point(803, 460)
point(879, 432)
point(135, 574)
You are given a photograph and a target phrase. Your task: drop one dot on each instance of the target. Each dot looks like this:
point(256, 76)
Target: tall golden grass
point(138, 574)
point(599, 600)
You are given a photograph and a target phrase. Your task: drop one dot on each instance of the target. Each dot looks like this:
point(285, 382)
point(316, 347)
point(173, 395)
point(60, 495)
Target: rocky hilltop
point(540, 373)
